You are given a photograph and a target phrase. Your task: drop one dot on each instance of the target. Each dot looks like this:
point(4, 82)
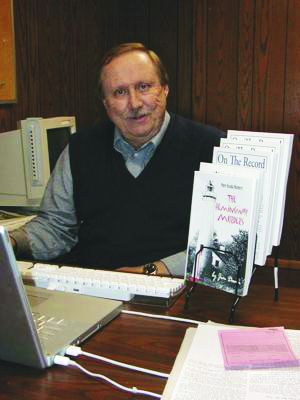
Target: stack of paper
point(199, 373)
point(13, 221)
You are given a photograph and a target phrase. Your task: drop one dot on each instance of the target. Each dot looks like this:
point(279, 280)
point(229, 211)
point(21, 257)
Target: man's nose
point(134, 99)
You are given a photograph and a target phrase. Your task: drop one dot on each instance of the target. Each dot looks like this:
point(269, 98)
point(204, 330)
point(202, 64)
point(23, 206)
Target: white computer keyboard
point(123, 286)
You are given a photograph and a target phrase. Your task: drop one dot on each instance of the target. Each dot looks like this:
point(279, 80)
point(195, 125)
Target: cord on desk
point(76, 351)
point(66, 361)
point(138, 313)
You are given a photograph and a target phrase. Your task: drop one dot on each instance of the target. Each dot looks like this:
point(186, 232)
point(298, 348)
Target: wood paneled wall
point(232, 63)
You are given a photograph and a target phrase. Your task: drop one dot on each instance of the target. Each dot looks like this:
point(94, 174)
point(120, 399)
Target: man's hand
point(161, 269)
point(13, 243)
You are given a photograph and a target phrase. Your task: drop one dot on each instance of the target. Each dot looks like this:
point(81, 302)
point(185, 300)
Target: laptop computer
point(37, 324)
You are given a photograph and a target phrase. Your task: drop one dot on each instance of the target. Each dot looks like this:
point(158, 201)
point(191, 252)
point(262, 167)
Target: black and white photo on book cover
point(222, 231)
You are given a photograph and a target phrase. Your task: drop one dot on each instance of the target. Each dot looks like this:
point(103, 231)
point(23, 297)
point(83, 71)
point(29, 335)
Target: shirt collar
point(122, 146)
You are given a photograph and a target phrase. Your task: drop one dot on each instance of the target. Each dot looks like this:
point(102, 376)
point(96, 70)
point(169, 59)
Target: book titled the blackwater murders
point(222, 233)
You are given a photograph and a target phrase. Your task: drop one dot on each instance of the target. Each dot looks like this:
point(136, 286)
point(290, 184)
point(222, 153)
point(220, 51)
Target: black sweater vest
point(132, 221)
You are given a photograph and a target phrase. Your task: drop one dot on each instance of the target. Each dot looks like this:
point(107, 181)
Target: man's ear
point(166, 90)
point(104, 103)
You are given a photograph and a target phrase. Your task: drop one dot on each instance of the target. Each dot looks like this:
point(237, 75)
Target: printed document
point(200, 373)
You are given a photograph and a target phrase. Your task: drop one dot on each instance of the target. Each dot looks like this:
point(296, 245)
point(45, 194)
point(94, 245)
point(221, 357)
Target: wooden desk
point(152, 343)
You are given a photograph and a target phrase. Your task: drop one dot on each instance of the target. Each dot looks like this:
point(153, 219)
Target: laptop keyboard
point(124, 286)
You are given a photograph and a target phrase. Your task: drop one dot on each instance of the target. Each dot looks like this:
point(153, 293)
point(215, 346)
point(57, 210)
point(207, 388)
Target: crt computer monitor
point(28, 156)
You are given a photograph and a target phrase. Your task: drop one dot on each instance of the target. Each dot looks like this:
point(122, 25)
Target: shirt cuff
point(23, 247)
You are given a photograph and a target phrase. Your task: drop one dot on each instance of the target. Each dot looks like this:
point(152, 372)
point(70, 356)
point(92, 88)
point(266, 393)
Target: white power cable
point(76, 351)
point(66, 361)
point(190, 321)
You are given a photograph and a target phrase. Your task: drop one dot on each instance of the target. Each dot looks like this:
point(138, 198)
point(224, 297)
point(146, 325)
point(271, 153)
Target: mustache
point(136, 113)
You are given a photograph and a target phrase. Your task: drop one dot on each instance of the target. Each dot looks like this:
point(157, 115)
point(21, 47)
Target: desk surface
point(153, 343)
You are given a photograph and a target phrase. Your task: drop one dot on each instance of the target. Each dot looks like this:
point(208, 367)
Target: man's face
point(133, 97)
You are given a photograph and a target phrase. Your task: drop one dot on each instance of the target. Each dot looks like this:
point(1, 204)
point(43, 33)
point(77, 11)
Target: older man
point(120, 194)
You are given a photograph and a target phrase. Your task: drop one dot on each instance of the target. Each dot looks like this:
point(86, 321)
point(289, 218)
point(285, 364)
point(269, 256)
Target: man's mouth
point(137, 117)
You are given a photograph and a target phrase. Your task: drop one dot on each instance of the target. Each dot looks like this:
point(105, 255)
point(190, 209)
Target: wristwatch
point(150, 269)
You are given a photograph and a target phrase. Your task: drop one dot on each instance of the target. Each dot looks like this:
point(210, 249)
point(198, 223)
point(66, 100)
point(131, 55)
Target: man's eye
point(120, 92)
point(144, 87)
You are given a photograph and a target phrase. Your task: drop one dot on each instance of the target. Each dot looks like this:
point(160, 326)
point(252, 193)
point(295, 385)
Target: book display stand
point(236, 296)
point(238, 204)
point(276, 270)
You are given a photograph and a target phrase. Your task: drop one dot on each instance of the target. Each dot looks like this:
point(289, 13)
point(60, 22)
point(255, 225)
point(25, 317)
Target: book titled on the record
point(283, 142)
point(222, 233)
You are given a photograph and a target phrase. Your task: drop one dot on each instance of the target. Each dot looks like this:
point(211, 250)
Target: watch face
point(150, 269)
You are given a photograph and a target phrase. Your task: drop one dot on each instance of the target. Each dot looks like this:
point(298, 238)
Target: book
point(285, 142)
point(265, 162)
point(222, 232)
point(257, 174)
point(270, 188)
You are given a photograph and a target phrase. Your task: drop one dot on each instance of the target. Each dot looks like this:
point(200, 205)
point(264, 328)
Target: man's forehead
point(135, 66)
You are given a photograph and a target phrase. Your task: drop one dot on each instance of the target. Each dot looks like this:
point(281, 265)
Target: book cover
point(222, 232)
point(266, 163)
point(285, 142)
point(270, 189)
